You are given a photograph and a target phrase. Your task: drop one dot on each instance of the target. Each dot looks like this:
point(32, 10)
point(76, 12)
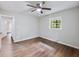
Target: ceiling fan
point(39, 7)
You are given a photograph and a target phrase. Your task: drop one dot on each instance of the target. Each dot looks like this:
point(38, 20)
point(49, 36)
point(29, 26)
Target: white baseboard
point(16, 40)
point(61, 42)
point(48, 39)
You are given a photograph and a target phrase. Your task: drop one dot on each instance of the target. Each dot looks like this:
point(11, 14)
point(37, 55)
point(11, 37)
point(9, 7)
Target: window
point(56, 23)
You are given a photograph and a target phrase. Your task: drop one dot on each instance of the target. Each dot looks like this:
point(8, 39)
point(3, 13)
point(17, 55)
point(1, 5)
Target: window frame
point(55, 18)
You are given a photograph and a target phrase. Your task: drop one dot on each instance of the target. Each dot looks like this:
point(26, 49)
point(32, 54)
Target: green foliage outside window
point(55, 23)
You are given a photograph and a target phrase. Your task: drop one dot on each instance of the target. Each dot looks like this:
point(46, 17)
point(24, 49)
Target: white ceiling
point(21, 6)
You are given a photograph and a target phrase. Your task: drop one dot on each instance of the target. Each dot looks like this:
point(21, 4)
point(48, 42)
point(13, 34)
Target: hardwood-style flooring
point(37, 47)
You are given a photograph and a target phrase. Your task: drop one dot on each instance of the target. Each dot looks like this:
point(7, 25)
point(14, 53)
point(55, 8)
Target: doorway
point(6, 25)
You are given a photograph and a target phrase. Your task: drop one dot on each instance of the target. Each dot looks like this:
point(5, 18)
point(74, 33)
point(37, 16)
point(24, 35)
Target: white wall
point(69, 35)
point(26, 26)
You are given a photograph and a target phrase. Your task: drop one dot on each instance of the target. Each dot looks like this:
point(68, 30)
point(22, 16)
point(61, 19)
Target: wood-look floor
point(37, 47)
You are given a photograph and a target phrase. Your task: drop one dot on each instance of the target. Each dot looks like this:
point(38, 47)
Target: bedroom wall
point(26, 26)
point(69, 34)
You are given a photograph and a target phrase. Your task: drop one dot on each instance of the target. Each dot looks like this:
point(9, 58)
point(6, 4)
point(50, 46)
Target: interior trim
point(60, 42)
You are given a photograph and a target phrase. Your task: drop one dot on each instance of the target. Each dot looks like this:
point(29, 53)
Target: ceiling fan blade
point(46, 8)
point(33, 10)
point(31, 6)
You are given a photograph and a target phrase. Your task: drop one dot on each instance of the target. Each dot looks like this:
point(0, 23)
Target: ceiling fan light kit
point(39, 9)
